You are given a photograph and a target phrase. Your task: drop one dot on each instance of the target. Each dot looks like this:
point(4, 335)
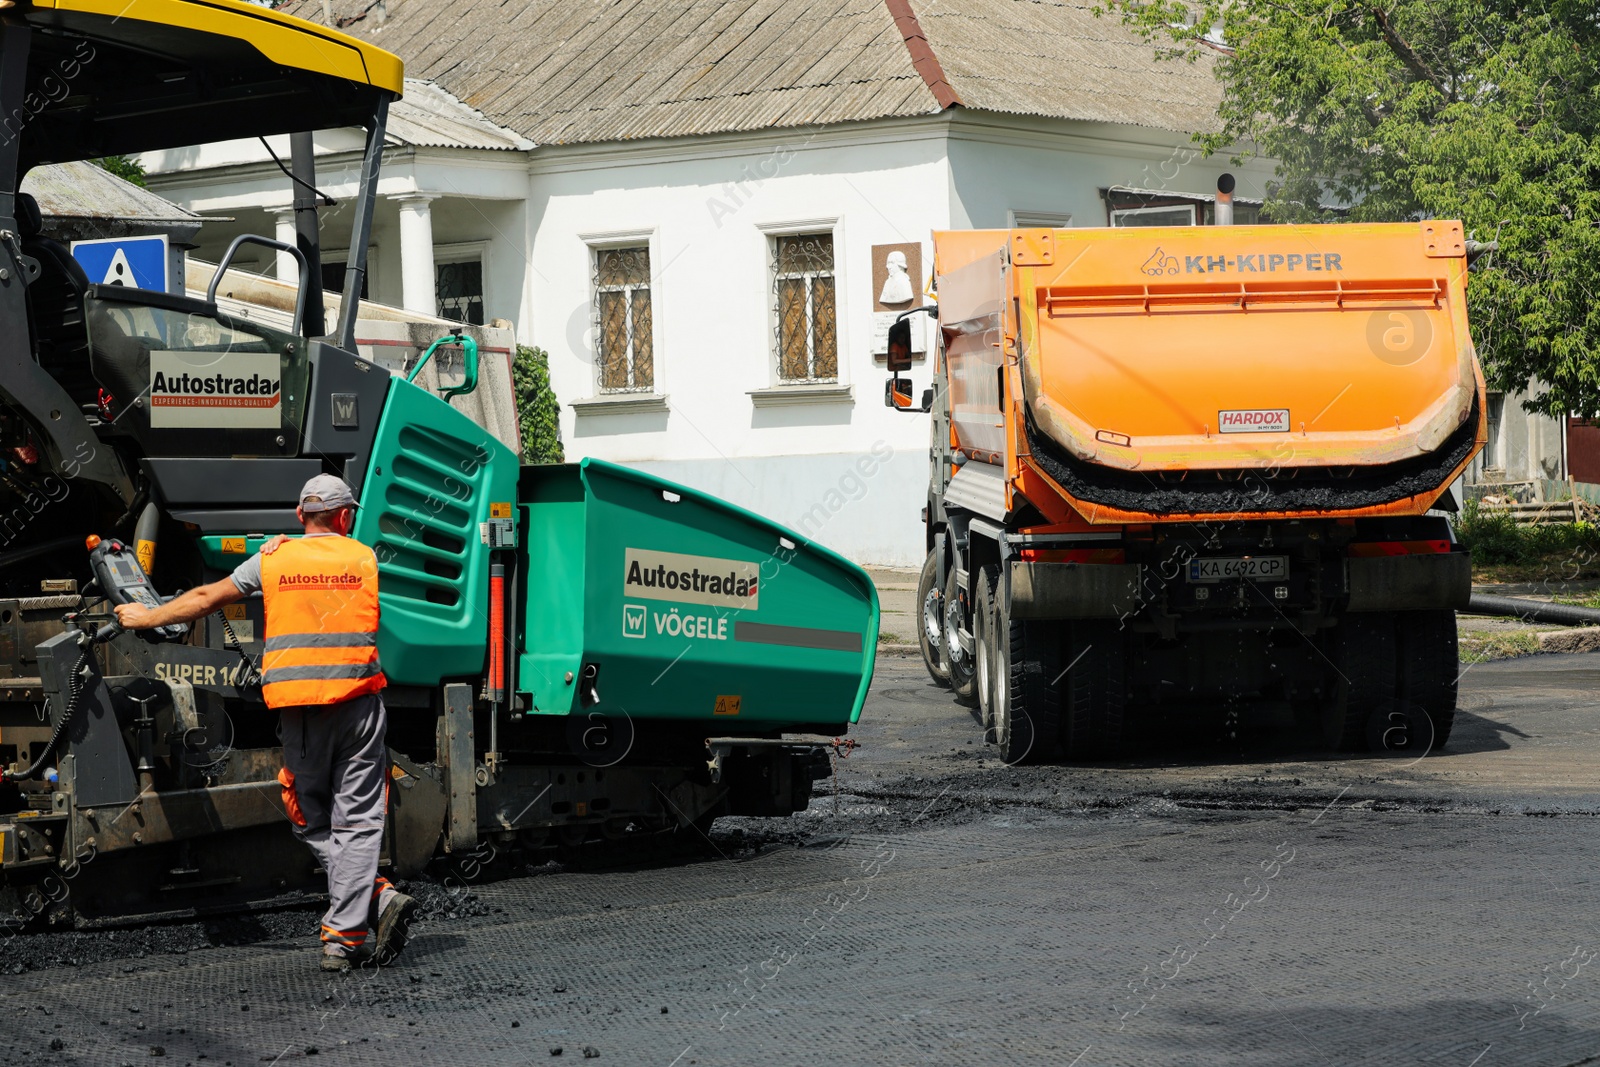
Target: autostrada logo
point(168, 391)
point(318, 581)
point(724, 583)
point(229, 391)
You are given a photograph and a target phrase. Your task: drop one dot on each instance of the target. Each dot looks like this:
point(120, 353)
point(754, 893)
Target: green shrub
point(538, 410)
point(1492, 537)
point(1495, 538)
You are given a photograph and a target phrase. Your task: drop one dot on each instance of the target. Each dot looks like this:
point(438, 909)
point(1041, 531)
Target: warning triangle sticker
point(119, 272)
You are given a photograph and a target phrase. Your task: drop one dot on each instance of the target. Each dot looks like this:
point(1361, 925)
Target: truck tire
point(1094, 693)
point(1429, 667)
point(1363, 653)
point(930, 621)
point(983, 652)
point(1025, 705)
point(963, 678)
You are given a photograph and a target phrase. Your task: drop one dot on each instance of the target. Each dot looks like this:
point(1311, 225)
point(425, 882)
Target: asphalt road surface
point(1226, 895)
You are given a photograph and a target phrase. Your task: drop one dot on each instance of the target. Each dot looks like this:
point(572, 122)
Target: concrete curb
point(1578, 639)
point(886, 648)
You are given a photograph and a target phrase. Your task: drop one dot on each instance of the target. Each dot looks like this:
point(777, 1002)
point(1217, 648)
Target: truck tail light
point(1371, 549)
point(1074, 555)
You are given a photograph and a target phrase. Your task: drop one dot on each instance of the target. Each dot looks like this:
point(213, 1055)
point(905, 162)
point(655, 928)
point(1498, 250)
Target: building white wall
point(707, 209)
point(1004, 166)
point(1523, 446)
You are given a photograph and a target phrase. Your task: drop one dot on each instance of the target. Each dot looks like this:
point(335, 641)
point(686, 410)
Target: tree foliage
point(538, 411)
point(1480, 110)
point(124, 167)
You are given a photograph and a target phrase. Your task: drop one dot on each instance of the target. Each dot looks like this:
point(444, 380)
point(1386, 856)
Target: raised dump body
point(1332, 363)
point(1188, 466)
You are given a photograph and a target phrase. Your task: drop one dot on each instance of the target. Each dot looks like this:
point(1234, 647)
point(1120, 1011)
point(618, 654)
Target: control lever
point(119, 575)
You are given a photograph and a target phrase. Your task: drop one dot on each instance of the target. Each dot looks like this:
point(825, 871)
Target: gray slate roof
point(562, 72)
point(82, 190)
point(429, 116)
point(1058, 59)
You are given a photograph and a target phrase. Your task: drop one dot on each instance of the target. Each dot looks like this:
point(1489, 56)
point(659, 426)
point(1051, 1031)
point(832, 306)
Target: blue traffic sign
point(137, 262)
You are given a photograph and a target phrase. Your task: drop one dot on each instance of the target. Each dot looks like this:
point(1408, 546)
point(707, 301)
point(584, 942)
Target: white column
point(418, 285)
point(288, 269)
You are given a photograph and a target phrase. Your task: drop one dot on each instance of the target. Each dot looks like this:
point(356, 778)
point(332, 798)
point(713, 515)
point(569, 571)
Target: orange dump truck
point(1188, 467)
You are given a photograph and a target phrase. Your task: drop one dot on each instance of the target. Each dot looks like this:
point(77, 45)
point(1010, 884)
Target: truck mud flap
point(1073, 591)
point(1410, 583)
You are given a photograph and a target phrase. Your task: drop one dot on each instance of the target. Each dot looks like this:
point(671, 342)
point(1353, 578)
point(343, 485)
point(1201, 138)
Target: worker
point(320, 671)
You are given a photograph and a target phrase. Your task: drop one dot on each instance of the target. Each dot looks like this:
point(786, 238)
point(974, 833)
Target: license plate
point(1224, 568)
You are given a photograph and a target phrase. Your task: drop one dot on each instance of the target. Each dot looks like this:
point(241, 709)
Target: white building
point(701, 237)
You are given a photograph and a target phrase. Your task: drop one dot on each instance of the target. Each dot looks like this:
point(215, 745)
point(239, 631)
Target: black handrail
point(257, 239)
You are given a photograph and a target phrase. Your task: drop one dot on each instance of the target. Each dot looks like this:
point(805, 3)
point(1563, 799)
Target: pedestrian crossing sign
point(135, 262)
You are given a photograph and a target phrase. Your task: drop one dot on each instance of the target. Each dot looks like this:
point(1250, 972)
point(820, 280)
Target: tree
point(538, 411)
point(1480, 110)
point(124, 167)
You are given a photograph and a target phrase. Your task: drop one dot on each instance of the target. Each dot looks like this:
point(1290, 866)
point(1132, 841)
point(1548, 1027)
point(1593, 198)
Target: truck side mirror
point(899, 357)
point(897, 395)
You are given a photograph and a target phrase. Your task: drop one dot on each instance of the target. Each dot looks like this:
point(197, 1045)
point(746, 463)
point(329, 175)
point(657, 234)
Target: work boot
point(358, 958)
point(394, 927)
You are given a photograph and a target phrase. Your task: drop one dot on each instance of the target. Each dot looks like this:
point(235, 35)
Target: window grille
point(624, 348)
point(805, 323)
point(459, 288)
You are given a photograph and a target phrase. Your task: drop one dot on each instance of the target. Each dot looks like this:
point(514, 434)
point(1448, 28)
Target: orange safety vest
point(321, 598)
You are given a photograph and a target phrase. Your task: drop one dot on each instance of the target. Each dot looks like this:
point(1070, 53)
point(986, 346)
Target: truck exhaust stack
point(1224, 216)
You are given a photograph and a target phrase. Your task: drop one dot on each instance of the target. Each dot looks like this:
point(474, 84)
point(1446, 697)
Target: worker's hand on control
point(273, 543)
point(133, 616)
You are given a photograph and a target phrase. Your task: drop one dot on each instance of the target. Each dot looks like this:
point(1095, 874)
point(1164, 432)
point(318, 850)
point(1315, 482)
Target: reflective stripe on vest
point(300, 674)
point(321, 644)
point(283, 641)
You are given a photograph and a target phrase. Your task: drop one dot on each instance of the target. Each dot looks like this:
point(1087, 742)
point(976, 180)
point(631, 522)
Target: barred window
point(806, 329)
point(459, 287)
point(624, 350)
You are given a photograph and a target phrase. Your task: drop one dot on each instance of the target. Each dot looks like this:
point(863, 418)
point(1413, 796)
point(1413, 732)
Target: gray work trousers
point(336, 793)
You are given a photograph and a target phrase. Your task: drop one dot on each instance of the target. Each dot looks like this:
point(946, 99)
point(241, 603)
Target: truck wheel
point(1363, 652)
point(983, 641)
point(1025, 705)
point(930, 621)
point(1429, 666)
point(1094, 692)
point(963, 676)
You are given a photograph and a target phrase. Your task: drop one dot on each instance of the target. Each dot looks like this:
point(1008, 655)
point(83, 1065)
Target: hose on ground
point(1532, 610)
point(74, 697)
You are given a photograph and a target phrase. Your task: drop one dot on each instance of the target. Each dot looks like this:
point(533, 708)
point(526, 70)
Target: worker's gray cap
point(330, 494)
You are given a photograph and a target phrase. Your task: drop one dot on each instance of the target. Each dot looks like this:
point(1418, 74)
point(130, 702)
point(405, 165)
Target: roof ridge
point(922, 56)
